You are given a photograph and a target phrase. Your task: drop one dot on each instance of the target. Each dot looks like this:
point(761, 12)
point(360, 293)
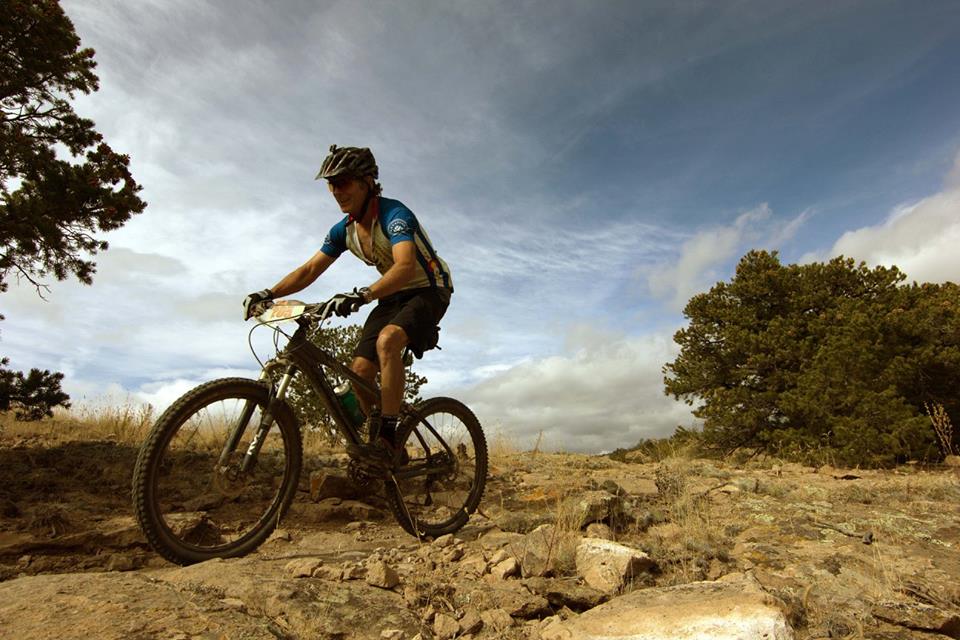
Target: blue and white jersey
point(395, 223)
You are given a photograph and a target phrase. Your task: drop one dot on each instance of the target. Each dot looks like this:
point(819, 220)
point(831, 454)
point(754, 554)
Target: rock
point(566, 592)
point(302, 567)
point(470, 622)
point(540, 548)
point(444, 541)
point(919, 616)
point(380, 574)
point(351, 510)
point(522, 521)
point(497, 620)
point(507, 568)
point(510, 596)
point(121, 562)
point(324, 484)
point(613, 488)
point(599, 530)
point(474, 565)
point(391, 634)
point(593, 506)
point(353, 572)
point(734, 608)
point(608, 566)
point(445, 626)
point(280, 534)
point(952, 461)
point(329, 572)
point(452, 554)
point(234, 603)
point(499, 556)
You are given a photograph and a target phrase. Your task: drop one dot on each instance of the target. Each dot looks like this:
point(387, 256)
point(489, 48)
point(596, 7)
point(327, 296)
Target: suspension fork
point(266, 420)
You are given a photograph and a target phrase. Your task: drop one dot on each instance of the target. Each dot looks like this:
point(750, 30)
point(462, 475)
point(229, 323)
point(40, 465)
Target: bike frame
point(302, 355)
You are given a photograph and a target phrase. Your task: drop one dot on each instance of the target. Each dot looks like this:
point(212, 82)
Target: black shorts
point(416, 311)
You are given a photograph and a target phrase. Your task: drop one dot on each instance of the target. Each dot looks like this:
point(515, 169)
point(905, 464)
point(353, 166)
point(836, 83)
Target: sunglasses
point(338, 182)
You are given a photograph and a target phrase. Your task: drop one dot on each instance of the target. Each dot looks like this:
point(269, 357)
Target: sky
point(583, 168)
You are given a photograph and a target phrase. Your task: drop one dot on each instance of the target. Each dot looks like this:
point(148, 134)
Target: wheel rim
point(208, 508)
point(442, 498)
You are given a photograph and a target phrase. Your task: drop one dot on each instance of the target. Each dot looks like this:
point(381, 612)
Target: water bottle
point(348, 400)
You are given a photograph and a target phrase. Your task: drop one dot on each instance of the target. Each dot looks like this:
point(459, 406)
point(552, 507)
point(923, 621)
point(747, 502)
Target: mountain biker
point(413, 290)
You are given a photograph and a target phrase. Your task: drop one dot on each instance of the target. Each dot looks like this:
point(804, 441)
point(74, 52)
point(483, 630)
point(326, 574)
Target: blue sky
point(583, 167)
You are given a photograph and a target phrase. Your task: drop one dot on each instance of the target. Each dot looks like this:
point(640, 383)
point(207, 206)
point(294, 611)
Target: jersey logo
point(327, 240)
point(398, 228)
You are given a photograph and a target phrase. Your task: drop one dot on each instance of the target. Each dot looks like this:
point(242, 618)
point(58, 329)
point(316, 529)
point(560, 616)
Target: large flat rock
point(730, 609)
point(110, 606)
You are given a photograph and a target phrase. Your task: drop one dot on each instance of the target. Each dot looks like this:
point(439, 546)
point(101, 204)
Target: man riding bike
point(413, 290)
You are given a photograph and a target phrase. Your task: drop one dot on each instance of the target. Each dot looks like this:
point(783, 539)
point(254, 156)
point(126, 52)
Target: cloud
point(606, 392)
point(920, 238)
point(705, 256)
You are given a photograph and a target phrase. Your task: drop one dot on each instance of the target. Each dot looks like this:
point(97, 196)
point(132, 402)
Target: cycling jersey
point(395, 223)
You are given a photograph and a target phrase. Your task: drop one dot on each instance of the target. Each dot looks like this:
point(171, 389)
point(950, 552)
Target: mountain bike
point(222, 464)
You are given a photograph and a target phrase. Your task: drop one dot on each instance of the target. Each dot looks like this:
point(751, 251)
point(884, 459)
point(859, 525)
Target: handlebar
point(316, 313)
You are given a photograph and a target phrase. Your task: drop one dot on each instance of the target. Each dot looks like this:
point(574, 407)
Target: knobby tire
point(402, 496)
point(146, 501)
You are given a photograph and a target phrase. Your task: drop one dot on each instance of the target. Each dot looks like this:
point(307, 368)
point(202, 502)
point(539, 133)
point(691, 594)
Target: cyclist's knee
point(391, 340)
point(364, 368)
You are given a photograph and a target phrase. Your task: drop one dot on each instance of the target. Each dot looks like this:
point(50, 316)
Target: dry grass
point(943, 428)
point(692, 537)
point(125, 424)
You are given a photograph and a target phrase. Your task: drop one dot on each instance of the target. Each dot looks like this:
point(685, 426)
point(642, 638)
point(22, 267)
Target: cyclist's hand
point(250, 302)
point(346, 303)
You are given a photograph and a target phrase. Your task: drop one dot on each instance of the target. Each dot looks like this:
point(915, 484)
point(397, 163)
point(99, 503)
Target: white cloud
point(607, 392)
point(920, 238)
point(704, 255)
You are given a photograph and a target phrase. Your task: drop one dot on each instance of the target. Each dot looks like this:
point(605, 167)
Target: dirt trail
point(842, 553)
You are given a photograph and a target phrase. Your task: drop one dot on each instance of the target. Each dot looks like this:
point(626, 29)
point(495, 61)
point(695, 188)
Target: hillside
point(804, 552)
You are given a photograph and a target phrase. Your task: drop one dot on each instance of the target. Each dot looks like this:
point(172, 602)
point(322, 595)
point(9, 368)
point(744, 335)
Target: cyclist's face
point(349, 193)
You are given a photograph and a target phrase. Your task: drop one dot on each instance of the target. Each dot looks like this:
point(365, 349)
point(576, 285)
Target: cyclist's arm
point(403, 269)
point(303, 276)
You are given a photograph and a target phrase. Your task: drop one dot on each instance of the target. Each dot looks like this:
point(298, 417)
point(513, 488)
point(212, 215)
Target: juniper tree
point(60, 182)
point(825, 359)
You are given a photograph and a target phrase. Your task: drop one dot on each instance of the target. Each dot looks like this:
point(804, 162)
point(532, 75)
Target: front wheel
point(193, 501)
point(435, 492)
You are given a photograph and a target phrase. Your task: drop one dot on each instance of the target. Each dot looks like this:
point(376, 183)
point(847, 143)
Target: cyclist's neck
point(371, 214)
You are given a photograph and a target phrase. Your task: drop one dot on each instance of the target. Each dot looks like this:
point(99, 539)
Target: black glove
point(251, 300)
point(346, 303)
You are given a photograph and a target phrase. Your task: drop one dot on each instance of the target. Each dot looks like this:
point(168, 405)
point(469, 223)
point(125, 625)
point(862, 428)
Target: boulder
point(607, 566)
point(539, 551)
point(593, 506)
point(733, 608)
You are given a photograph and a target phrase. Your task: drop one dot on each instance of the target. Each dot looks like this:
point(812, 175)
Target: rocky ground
point(565, 546)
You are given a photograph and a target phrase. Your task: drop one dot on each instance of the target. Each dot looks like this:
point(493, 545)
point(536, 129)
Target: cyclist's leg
point(366, 369)
point(366, 363)
point(390, 344)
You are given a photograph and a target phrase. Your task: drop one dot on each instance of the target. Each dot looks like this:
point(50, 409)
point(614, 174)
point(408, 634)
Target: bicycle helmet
point(351, 161)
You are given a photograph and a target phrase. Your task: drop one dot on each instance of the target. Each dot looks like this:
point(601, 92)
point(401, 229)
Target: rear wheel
point(448, 448)
point(193, 508)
